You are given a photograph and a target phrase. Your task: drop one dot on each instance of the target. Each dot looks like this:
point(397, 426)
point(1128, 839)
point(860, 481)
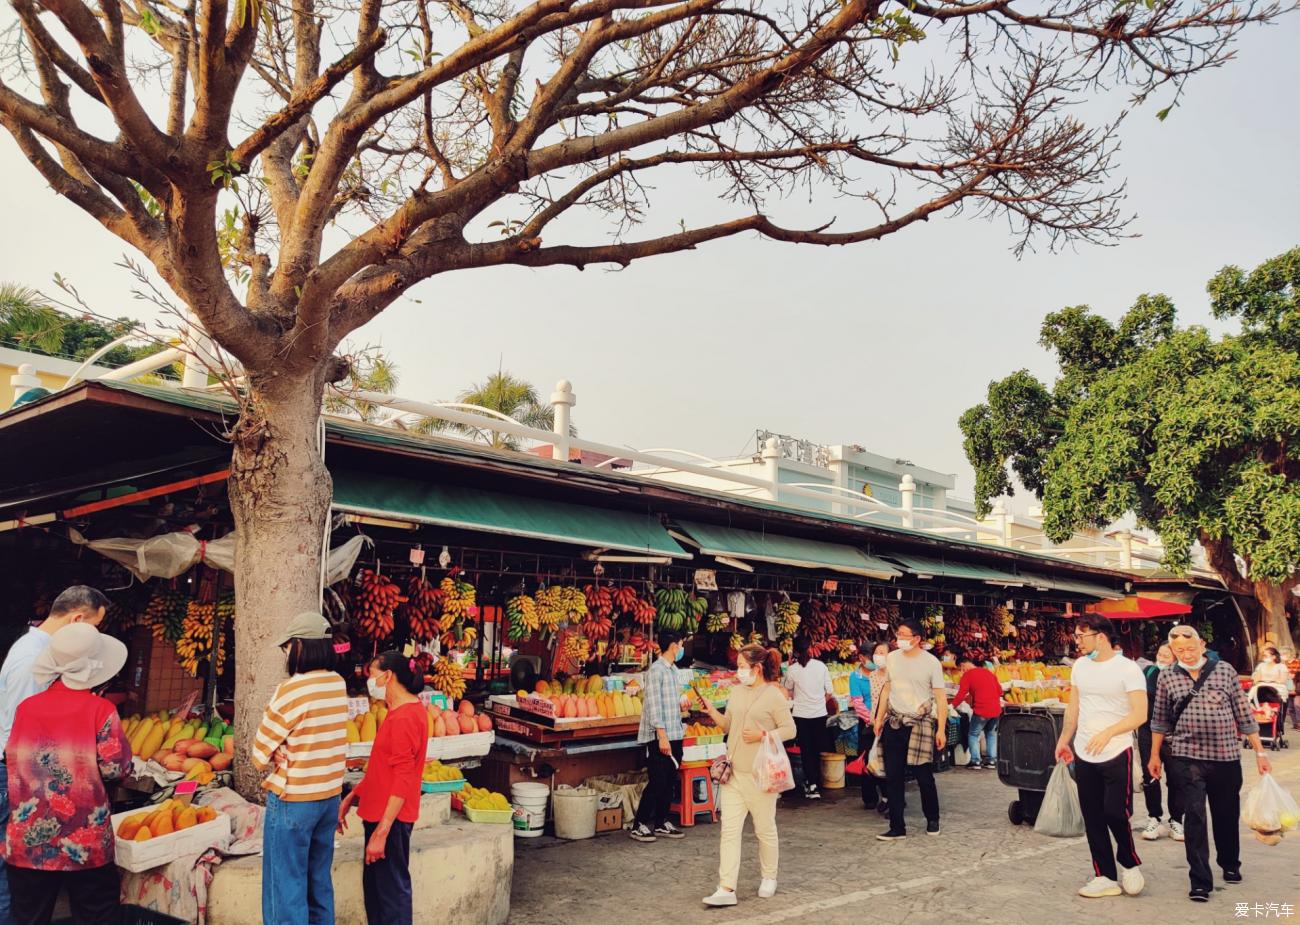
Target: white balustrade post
point(907, 488)
point(1125, 538)
point(24, 379)
point(772, 467)
point(1002, 522)
point(199, 358)
point(562, 400)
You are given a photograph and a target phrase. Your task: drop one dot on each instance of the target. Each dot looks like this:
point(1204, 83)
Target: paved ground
point(980, 870)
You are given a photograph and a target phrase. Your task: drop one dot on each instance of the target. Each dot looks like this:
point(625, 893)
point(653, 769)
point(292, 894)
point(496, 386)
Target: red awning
point(1141, 607)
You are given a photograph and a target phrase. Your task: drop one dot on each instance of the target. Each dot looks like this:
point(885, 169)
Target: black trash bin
point(1027, 737)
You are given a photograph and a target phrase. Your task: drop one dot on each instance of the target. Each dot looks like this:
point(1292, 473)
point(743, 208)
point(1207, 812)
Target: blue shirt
point(16, 681)
point(662, 707)
point(860, 686)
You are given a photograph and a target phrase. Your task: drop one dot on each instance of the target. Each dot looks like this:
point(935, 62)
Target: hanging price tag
point(417, 556)
point(830, 585)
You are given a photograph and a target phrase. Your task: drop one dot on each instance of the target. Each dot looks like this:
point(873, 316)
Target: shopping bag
point(1270, 810)
point(857, 766)
point(876, 761)
point(772, 770)
point(1060, 816)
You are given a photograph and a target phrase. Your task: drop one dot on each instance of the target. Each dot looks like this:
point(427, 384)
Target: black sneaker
point(811, 792)
point(1232, 876)
point(891, 835)
point(883, 807)
point(990, 765)
point(932, 827)
point(641, 832)
point(668, 830)
point(974, 766)
point(1199, 895)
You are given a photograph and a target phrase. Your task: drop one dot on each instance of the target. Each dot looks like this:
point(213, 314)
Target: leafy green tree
point(1198, 436)
point(27, 322)
point(505, 394)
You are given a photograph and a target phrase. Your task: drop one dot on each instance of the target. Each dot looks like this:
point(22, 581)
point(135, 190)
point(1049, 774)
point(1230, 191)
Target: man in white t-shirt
point(809, 682)
point(911, 723)
point(1108, 701)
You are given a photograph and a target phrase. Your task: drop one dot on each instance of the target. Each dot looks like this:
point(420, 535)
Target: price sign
point(357, 706)
point(417, 556)
point(706, 579)
point(830, 585)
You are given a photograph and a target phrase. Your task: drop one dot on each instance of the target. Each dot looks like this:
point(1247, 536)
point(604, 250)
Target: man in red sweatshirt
point(985, 693)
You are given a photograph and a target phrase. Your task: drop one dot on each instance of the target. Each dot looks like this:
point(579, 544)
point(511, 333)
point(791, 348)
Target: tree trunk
point(1273, 614)
point(280, 495)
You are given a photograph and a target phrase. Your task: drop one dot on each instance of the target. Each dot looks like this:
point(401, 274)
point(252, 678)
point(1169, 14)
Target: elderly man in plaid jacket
point(1200, 715)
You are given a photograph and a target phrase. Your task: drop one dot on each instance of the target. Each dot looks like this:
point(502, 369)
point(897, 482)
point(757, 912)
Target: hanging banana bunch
point(787, 618)
point(521, 611)
point(376, 600)
point(423, 609)
point(165, 615)
point(447, 678)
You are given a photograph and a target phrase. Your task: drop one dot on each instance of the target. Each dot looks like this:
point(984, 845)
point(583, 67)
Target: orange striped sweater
point(307, 721)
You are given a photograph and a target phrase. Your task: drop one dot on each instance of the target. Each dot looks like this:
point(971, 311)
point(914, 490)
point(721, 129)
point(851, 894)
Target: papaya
point(439, 727)
point(468, 725)
point(484, 724)
point(465, 708)
point(368, 728)
point(142, 834)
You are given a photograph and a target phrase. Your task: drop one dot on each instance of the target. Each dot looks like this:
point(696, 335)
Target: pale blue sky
point(882, 344)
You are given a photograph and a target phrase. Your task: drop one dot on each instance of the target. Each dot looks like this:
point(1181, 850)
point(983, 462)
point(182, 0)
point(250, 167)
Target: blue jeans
point(989, 727)
point(297, 852)
point(5, 917)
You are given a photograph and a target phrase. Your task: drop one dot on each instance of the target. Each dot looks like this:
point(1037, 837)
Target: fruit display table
point(512, 761)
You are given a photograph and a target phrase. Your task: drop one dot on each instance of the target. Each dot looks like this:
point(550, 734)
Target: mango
point(142, 834)
point(201, 750)
point(221, 761)
point(186, 819)
point(368, 728)
point(228, 744)
point(354, 734)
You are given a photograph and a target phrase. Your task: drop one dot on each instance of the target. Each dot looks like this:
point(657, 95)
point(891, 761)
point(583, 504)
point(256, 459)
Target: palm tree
point(505, 394)
point(28, 322)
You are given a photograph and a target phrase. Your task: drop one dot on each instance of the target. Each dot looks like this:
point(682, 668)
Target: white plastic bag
point(1270, 810)
point(772, 770)
point(876, 761)
point(1060, 815)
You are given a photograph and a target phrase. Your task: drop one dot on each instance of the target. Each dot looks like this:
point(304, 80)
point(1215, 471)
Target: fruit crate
point(441, 786)
point(703, 740)
point(135, 856)
point(703, 752)
point(491, 816)
point(467, 745)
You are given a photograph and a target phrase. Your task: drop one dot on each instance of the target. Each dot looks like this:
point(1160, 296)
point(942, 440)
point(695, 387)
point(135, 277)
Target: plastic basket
point(491, 816)
point(442, 786)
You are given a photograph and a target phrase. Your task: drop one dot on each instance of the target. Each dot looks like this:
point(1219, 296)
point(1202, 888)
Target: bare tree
point(292, 169)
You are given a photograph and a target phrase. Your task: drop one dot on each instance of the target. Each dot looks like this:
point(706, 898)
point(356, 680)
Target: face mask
point(1163, 665)
point(1093, 654)
point(678, 656)
point(376, 690)
point(905, 644)
point(1198, 666)
point(745, 675)
point(868, 666)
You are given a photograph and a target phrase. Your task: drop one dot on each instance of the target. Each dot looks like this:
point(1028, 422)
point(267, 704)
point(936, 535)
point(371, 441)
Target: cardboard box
point(609, 820)
point(136, 856)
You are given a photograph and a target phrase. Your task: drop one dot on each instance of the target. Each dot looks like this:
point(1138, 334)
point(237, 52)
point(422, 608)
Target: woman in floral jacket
point(65, 743)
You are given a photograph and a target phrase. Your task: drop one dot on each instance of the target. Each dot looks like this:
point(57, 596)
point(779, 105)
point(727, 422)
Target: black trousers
point(893, 743)
point(811, 735)
point(867, 738)
point(93, 893)
point(386, 884)
point(1219, 784)
point(1151, 786)
point(1106, 800)
point(658, 794)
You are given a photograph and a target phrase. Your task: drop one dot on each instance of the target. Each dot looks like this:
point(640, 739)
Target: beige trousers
point(740, 798)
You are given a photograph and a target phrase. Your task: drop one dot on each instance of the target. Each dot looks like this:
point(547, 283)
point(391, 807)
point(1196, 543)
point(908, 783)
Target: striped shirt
point(307, 720)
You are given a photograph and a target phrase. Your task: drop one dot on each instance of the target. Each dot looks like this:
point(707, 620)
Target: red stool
point(694, 795)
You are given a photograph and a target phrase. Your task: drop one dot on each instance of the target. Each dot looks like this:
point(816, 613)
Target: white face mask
point(745, 675)
point(1198, 666)
point(905, 644)
point(376, 690)
point(1163, 665)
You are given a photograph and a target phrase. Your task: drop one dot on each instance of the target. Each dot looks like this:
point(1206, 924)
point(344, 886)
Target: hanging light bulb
point(444, 557)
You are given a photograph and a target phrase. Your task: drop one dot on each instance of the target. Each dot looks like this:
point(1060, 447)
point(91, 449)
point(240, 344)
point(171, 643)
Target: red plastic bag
point(772, 770)
point(857, 766)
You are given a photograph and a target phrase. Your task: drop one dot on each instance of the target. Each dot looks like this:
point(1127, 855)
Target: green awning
point(923, 567)
point(498, 512)
point(733, 543)
point(1070, 586)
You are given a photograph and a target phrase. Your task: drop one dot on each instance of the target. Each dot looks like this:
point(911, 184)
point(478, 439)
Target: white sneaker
point(721, 898)
point(1176, 831)
point(1131, 880)
point(767, 889)
point(1155, 828)
point(1098, 887)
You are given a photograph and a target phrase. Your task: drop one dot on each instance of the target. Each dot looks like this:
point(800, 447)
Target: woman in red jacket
point(388, 797)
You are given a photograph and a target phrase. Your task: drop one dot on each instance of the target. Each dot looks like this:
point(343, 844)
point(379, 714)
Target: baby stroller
point(1268, 704)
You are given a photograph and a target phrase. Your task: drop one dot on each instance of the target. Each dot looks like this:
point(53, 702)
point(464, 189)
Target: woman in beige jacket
point(756, 708)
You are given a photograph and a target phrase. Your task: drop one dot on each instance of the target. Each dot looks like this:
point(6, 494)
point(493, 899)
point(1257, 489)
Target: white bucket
point(575, 812)
point(528, 824)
